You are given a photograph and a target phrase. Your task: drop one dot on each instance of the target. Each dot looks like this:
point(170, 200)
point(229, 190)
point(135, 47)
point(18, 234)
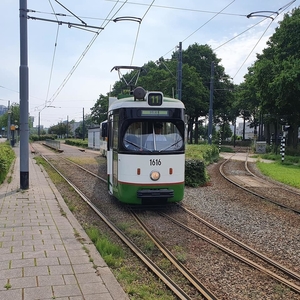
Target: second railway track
point(238, 173)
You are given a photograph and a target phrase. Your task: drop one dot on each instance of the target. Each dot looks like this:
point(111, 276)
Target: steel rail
point(153, 267)
point(190, 277)
point(187, 274)
point(252, 192)
point(273, 182)
point(282, 280)
point(244, 246)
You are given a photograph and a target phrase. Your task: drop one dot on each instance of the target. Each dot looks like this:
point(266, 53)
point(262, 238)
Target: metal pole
point(67, 126)
point(282, 147)
point(211, 99)
point(83, 125)
point(24, 116)
point(39, 128)
point(179, 72)
point(8, 121)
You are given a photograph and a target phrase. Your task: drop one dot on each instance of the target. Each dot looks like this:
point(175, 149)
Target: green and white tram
point(145, 148)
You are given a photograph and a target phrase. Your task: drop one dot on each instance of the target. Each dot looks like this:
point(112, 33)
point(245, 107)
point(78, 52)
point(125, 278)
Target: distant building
point(249, 132)
point(3, 110)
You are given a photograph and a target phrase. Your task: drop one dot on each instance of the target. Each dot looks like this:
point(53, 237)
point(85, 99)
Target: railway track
point(173, 286)
point(239, 174)
point(292, 276)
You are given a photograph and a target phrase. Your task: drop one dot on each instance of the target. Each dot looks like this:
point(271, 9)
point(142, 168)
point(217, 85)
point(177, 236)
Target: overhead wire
point(215, 15)
point(277, 13)
point(54, 53)
point(104, 24)
point(236, 36)
point(218, 13)
point(107, 20)
point(181, 8)
point(253, 48)
point(138, 31)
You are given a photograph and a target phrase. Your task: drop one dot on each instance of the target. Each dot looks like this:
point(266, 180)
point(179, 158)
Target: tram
point(146, 148)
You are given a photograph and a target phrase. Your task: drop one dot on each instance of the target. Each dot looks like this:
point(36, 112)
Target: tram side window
point(115, 131)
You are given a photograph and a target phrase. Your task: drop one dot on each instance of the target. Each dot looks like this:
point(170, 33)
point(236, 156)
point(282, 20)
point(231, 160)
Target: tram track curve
point(246, 180)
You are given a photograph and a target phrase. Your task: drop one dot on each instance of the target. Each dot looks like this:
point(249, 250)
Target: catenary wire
point(282, 9)
point(183, 8)
point(54, 53)
point(138, 31)
point(216, 14)
point(59, 89)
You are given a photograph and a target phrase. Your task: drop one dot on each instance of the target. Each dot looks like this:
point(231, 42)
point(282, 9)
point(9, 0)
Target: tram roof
point(131, 102)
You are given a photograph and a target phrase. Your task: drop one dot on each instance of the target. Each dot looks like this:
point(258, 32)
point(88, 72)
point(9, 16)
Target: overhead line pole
point(179, 72)
point(24, 111)
point(211, 100)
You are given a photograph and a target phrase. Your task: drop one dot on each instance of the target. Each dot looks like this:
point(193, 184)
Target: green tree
point(201, 58)
point(196, 75)
point(277, 75)
point(99, 110)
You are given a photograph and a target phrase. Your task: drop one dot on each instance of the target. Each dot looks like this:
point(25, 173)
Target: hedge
point(7, 156)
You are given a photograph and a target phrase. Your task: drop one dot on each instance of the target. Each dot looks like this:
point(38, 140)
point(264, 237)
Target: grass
point(285, 173)
point(112, 254)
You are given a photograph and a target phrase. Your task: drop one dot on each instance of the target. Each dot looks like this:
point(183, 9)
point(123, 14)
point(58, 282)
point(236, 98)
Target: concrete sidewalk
point(243, 156)
point(40, 257)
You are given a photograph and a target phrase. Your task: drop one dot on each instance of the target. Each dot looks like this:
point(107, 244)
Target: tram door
point(112, 156)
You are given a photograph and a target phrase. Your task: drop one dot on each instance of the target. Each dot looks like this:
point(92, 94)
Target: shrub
point(77, 142)
point(195, 173)
point(42, 137)
point(7, 156)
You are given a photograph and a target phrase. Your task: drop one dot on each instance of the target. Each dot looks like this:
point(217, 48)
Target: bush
point(206, 153)
point(77, 142)
point(42, 137)
point(7, 156)
point(195, 173)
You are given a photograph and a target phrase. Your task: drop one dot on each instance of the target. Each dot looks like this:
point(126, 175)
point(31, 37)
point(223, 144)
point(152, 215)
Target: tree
point(277, 74)
point(99, 110)
point(196, 75)
point(201, 58)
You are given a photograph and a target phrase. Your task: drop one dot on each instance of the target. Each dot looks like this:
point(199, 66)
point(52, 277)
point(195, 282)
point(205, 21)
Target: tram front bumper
point(158, 193)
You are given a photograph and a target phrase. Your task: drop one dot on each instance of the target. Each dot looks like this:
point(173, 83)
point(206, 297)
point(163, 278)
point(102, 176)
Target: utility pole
point(179, 72)
point(211, 100)
point(23, 85)
point(39, 128)
point(83, 126)
point(67, 126)
point(8, 121)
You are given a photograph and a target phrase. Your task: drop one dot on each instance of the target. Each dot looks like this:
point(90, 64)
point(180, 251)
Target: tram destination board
point(156, 113)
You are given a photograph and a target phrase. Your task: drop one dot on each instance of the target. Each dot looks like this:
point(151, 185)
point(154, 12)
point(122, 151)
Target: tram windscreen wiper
point(166, 148)
point(136, 145)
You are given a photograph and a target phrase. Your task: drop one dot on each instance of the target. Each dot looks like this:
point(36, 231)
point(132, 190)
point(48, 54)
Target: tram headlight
point(154, 175)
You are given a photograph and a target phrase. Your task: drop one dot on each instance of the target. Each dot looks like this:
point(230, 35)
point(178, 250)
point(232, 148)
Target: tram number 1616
point(155, 162)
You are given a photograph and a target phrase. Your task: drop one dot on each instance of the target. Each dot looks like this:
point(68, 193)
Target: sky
point(69, 67)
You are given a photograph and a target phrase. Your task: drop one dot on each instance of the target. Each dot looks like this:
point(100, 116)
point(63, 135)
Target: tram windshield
point(153, 136)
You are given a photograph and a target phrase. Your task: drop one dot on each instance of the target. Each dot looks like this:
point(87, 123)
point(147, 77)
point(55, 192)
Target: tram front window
point(152, 136)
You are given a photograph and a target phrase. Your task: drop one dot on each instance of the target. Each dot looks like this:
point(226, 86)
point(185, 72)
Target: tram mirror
point(104, 129)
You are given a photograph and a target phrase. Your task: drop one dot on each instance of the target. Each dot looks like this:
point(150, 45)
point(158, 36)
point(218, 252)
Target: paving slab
point(40, 257)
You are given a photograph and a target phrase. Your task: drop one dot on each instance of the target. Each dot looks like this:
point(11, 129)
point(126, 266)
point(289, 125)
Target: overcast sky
point(69, 67)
